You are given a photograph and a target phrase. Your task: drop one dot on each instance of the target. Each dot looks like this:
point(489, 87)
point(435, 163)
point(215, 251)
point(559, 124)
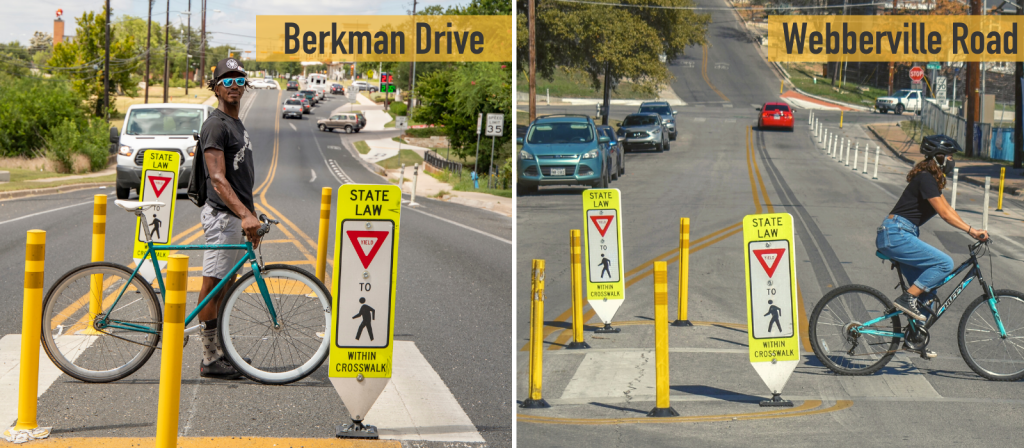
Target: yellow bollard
point(841, 119)
point(99, 241)
point(170, 358)
point(782, 84)
point(31, 317)
point(682, 319)
point(325, 227)
point(577, 291)
point(536, 399)
point(1002, 179)
point(662, 407)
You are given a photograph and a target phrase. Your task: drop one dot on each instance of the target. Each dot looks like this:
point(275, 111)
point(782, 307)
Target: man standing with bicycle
point(229, 213)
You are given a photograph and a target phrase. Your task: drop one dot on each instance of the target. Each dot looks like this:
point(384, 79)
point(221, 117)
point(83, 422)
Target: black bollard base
point(607, 329)
point(776, 402)
point(357, 430)
point(577, 345)
point(681, 323)
point(663, 412)
point(530, 403)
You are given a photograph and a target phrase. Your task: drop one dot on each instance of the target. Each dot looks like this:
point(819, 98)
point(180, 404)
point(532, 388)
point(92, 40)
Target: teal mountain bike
point(855, 330)
point(102, 321)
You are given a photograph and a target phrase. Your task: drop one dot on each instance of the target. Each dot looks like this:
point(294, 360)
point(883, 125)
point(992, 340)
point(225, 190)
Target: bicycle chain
point(129, 340)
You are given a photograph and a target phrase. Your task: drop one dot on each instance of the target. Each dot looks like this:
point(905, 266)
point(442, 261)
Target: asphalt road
point(720, 169)
point(452, 294)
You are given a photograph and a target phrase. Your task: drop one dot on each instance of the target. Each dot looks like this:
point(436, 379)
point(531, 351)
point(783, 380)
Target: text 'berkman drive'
point(384, 38)
point(893, 38)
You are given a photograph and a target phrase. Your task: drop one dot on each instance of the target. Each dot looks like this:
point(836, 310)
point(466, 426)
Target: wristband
point(969, 228)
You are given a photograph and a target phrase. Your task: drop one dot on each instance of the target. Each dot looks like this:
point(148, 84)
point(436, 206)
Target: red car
point(775, 115)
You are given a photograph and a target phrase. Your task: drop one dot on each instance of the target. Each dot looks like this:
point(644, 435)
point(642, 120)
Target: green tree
point(624, 33)
point(81, 61)
point(14, 60)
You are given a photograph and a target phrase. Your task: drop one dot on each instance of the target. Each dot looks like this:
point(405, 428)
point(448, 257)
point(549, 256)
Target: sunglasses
point(228, 82)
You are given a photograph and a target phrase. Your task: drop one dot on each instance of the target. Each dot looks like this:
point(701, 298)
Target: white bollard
point(818, 133)
point(984, 214)
point(952, 199)
point(415, 177)
point(810, 117)
point(856, 152)
point(826, 138)
point(865, 159)
point(846, 155)
point(875, 176)
point(401, 178)
point(832, 147)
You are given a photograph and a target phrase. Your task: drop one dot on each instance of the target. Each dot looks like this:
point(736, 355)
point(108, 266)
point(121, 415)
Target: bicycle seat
point(881, 255)
point(138, 205)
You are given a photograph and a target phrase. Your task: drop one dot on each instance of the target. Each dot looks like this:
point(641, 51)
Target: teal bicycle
point(855, 330)
point(102, 321)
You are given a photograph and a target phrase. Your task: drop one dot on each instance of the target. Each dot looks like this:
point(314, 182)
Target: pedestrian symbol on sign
point(368, 314)
point(772, 309)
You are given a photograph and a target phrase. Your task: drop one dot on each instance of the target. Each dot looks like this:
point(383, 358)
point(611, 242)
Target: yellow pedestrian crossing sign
point(159, 182)
point(602, 214)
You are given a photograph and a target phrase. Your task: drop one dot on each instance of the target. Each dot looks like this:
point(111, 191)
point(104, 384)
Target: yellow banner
point(893, 38)
point(384, 38)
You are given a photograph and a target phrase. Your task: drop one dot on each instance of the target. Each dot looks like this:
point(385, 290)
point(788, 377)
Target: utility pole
point(607, 92)
point(188, 47)
point(202, 49)
point(412, 74)
point(531, 22)
point(106, 68)
point(972, 91)
point(167, 50)
point(149, 32)
point(1018, 109)
point(892, 65)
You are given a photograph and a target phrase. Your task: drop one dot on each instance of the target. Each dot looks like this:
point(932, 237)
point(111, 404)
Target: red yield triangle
point(159, 184)
point(356, 235)
point(602, 223)
point(775, 263)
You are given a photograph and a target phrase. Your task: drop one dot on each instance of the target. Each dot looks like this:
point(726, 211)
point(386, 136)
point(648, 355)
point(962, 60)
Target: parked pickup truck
point(900, 101)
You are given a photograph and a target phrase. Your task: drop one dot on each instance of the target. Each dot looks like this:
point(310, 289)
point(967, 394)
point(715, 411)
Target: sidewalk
point(801, 101)
point(971, 171)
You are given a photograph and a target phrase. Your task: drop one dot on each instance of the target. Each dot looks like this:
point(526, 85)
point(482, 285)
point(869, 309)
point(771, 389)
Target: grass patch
point(803, 75)
point(362, 147)
point(406, 156)
point(465, 183)
point(571, 84)
point(399, 140)
point(425, 132)
point(20, 180)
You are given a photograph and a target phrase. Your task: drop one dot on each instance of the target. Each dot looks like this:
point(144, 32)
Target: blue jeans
point(924, 266)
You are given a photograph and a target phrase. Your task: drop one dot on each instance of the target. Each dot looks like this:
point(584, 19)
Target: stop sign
point(916, 74)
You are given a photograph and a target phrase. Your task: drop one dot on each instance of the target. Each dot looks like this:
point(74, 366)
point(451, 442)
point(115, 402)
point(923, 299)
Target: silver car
point(643, 131)
point(292, 108)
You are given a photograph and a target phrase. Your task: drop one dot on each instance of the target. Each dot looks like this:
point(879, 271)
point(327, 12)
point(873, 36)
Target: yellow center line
point(704, 72)
point(750, 174)
point(809, 407)
point(757, 171)
point(675, 259)
point(676, 249)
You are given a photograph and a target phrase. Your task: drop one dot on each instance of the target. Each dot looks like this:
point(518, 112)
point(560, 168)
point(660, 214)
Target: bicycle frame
point(151, 255)
point(974, 272)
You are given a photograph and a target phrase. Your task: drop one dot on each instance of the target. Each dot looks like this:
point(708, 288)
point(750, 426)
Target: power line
point(715, 8)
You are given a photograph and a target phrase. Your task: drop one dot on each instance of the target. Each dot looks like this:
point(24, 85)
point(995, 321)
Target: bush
point(67, 139)
point(425, 132)
point(398, 109)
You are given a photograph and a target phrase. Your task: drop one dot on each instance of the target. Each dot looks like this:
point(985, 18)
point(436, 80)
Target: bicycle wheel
point(299, 344)
point(834, 339)
point(79, 343)
point(983, 348)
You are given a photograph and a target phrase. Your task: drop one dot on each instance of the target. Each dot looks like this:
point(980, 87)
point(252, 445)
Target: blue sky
point(237, 18)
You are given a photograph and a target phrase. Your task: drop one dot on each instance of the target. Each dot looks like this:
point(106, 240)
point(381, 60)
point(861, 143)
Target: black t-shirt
point(227, 134)
point(913, 204)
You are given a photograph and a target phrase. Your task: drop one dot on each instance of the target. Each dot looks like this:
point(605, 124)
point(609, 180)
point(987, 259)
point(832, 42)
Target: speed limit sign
point(495, 125)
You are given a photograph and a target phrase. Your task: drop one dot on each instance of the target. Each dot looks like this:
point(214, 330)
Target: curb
point(52, 190)
point(1017, 193)
point(838, 103)
point(373, 167)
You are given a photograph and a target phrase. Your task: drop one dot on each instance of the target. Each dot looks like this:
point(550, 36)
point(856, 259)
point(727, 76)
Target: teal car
point(562, 150)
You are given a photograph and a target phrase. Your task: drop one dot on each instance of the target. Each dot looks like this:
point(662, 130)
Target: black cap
point(226, 66)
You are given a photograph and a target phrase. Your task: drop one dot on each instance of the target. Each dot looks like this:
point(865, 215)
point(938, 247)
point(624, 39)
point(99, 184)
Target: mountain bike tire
point(986, 352)
point(276, 355)
point(840, 310)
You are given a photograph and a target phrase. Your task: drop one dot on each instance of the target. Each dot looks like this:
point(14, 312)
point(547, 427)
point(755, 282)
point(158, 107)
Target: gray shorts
point(220, 228)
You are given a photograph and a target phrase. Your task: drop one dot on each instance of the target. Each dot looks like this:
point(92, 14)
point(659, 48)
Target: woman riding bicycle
point(898, 237)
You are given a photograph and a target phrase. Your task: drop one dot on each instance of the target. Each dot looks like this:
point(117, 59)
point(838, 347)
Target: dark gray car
point(643, 131)
point(668, 116)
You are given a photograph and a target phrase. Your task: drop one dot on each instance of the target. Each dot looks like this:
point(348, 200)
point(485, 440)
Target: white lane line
point(332, 166)
point(461, 225)
point(417, 405)
point(46, 211)
point(293, 127)
point(314, 175)
point(10, 361)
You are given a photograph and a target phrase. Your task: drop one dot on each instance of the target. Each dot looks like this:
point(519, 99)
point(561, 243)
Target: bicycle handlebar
point(265, 228)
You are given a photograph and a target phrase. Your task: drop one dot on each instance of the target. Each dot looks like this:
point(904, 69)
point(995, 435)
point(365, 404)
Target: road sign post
point(476, 162)
point(772, 333)
point(159, 182)
point(364, 276)
point(606, 290)
point(495, 128)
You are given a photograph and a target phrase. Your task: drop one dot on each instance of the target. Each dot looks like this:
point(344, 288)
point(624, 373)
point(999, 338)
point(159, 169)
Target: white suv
point(156, 127)
point(900, 101)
